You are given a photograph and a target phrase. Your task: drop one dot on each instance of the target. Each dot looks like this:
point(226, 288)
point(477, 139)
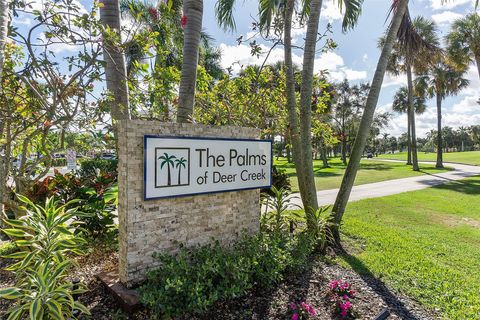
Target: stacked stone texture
point(161, 225)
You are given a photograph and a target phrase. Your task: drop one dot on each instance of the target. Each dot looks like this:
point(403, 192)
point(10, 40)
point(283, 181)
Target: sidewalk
point(386, 188)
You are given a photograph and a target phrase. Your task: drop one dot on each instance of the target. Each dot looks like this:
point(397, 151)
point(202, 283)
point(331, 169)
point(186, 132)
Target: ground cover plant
point(370, 171)
point(467, 157)
point(425, 244)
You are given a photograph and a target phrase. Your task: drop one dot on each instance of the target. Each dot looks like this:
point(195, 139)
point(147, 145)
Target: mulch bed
point(372, 296)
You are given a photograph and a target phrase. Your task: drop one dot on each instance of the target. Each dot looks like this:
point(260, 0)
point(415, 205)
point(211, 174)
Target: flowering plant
point(341, 293)
point(302, 311)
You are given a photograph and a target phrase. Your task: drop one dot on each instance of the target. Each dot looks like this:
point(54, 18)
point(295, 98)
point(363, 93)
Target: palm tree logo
point(179, 163)
point(167, 160)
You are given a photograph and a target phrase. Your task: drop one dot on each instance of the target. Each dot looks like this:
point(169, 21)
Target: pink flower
point(294, 316)
point(333, 284)
point(343, 313)
point(345, 297)
point(292, 306)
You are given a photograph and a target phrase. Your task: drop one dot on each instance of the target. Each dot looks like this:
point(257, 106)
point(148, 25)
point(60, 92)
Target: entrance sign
point(177, 166)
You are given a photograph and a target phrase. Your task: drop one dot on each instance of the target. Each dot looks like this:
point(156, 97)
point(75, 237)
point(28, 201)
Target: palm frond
point(224, 14)
point(353, 9)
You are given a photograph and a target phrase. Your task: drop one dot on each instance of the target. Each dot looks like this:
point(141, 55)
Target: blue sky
point(354, 59)
point(357, 53)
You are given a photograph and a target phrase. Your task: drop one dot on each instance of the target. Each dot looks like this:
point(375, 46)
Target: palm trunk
point(439, 163)
point(309, 198)
point(193, 10)
point(169, 176)
point(4, 12)
point(366, 122)
point(409, 139)
point(115, 68)
point(411, 116)
point(179, 172)
point(294, 130)
point(323, 153)
point(344, 150)
point(477, 62)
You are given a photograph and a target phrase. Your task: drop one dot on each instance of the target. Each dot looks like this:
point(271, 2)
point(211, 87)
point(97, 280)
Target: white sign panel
point(71, 156)
point(176, 166)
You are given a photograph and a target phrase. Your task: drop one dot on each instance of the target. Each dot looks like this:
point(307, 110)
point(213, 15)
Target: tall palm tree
point(4, 20)
point(399, 8)
point(115, 69)
point(400, 105)
point(442, 80)
point(192, 17)
point(463, 41)
point(179, 163)
point(167, 160)
point(416, 44)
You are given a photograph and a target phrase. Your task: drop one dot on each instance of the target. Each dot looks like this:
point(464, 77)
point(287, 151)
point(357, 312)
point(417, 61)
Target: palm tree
point(179, 163)
point(167, 160)
point(416, 44)
point(463, 41)
point(442, 80)
point(399, 9)
point(193, 12)
point(400, 105)
point(4, 21)
point(115, 70)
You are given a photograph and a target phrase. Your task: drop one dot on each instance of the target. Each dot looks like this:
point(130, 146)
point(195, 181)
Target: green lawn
point(370, 171)
point(467, 157)
point(425, 244)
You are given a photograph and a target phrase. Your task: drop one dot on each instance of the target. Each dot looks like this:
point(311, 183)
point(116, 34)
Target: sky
point(357, 54)
point(355, 58)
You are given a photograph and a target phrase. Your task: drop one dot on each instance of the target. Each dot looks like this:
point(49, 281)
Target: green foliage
point(195, 278)
point(319, 223)
point(277, 215)
point(280, 180)
point(45, 239)
point(89, 168)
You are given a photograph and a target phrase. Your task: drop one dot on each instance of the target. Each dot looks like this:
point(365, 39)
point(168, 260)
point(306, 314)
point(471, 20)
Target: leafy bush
point(319, 225)
point(278, 215)
point(45, 239)
point(59, 162)
point(195, 278)
point(280, 180)
point(96, 197)
point(94, 167)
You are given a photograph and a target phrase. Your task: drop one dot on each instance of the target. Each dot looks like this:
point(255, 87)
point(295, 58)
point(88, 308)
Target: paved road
point(386, 188)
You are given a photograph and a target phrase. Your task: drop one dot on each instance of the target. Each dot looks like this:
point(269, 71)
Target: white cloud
point(450, 4)
point(365, 57)
point(474, 86)
point(446, 17)
point(238, 57)
point(331, 11)
point(467, 105)
point(391, 80)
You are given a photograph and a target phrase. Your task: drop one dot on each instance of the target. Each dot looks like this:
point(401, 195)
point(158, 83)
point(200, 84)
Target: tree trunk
point(323, 153)
point(294, 130)
point(411, 116)
point(115, 68)
point(4, 13)
point(477, 62)
point(366, 122)
point(409, 139)
point(309, 198)
point(439, 163)
point(344, 150)
point(193, 10)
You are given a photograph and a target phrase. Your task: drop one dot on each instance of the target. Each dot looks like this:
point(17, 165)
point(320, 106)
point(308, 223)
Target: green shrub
point(45, 240)
point(278, 215)
point(96, 198)
point(280, 180)
point(196, 278)
point(94, 167)
point(59, 162)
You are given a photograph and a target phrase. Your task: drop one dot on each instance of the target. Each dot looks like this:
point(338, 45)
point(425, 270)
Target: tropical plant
point(45, 240)
point(399, 8)
point(278, 215)
point(463, 41)
point(115, 68)
point(179, 163)
point(167, 160)
point(321, 224)
point(416, 47)
point(193, 12)
point(45, 293)
point(442, 80)
point(44, 234)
